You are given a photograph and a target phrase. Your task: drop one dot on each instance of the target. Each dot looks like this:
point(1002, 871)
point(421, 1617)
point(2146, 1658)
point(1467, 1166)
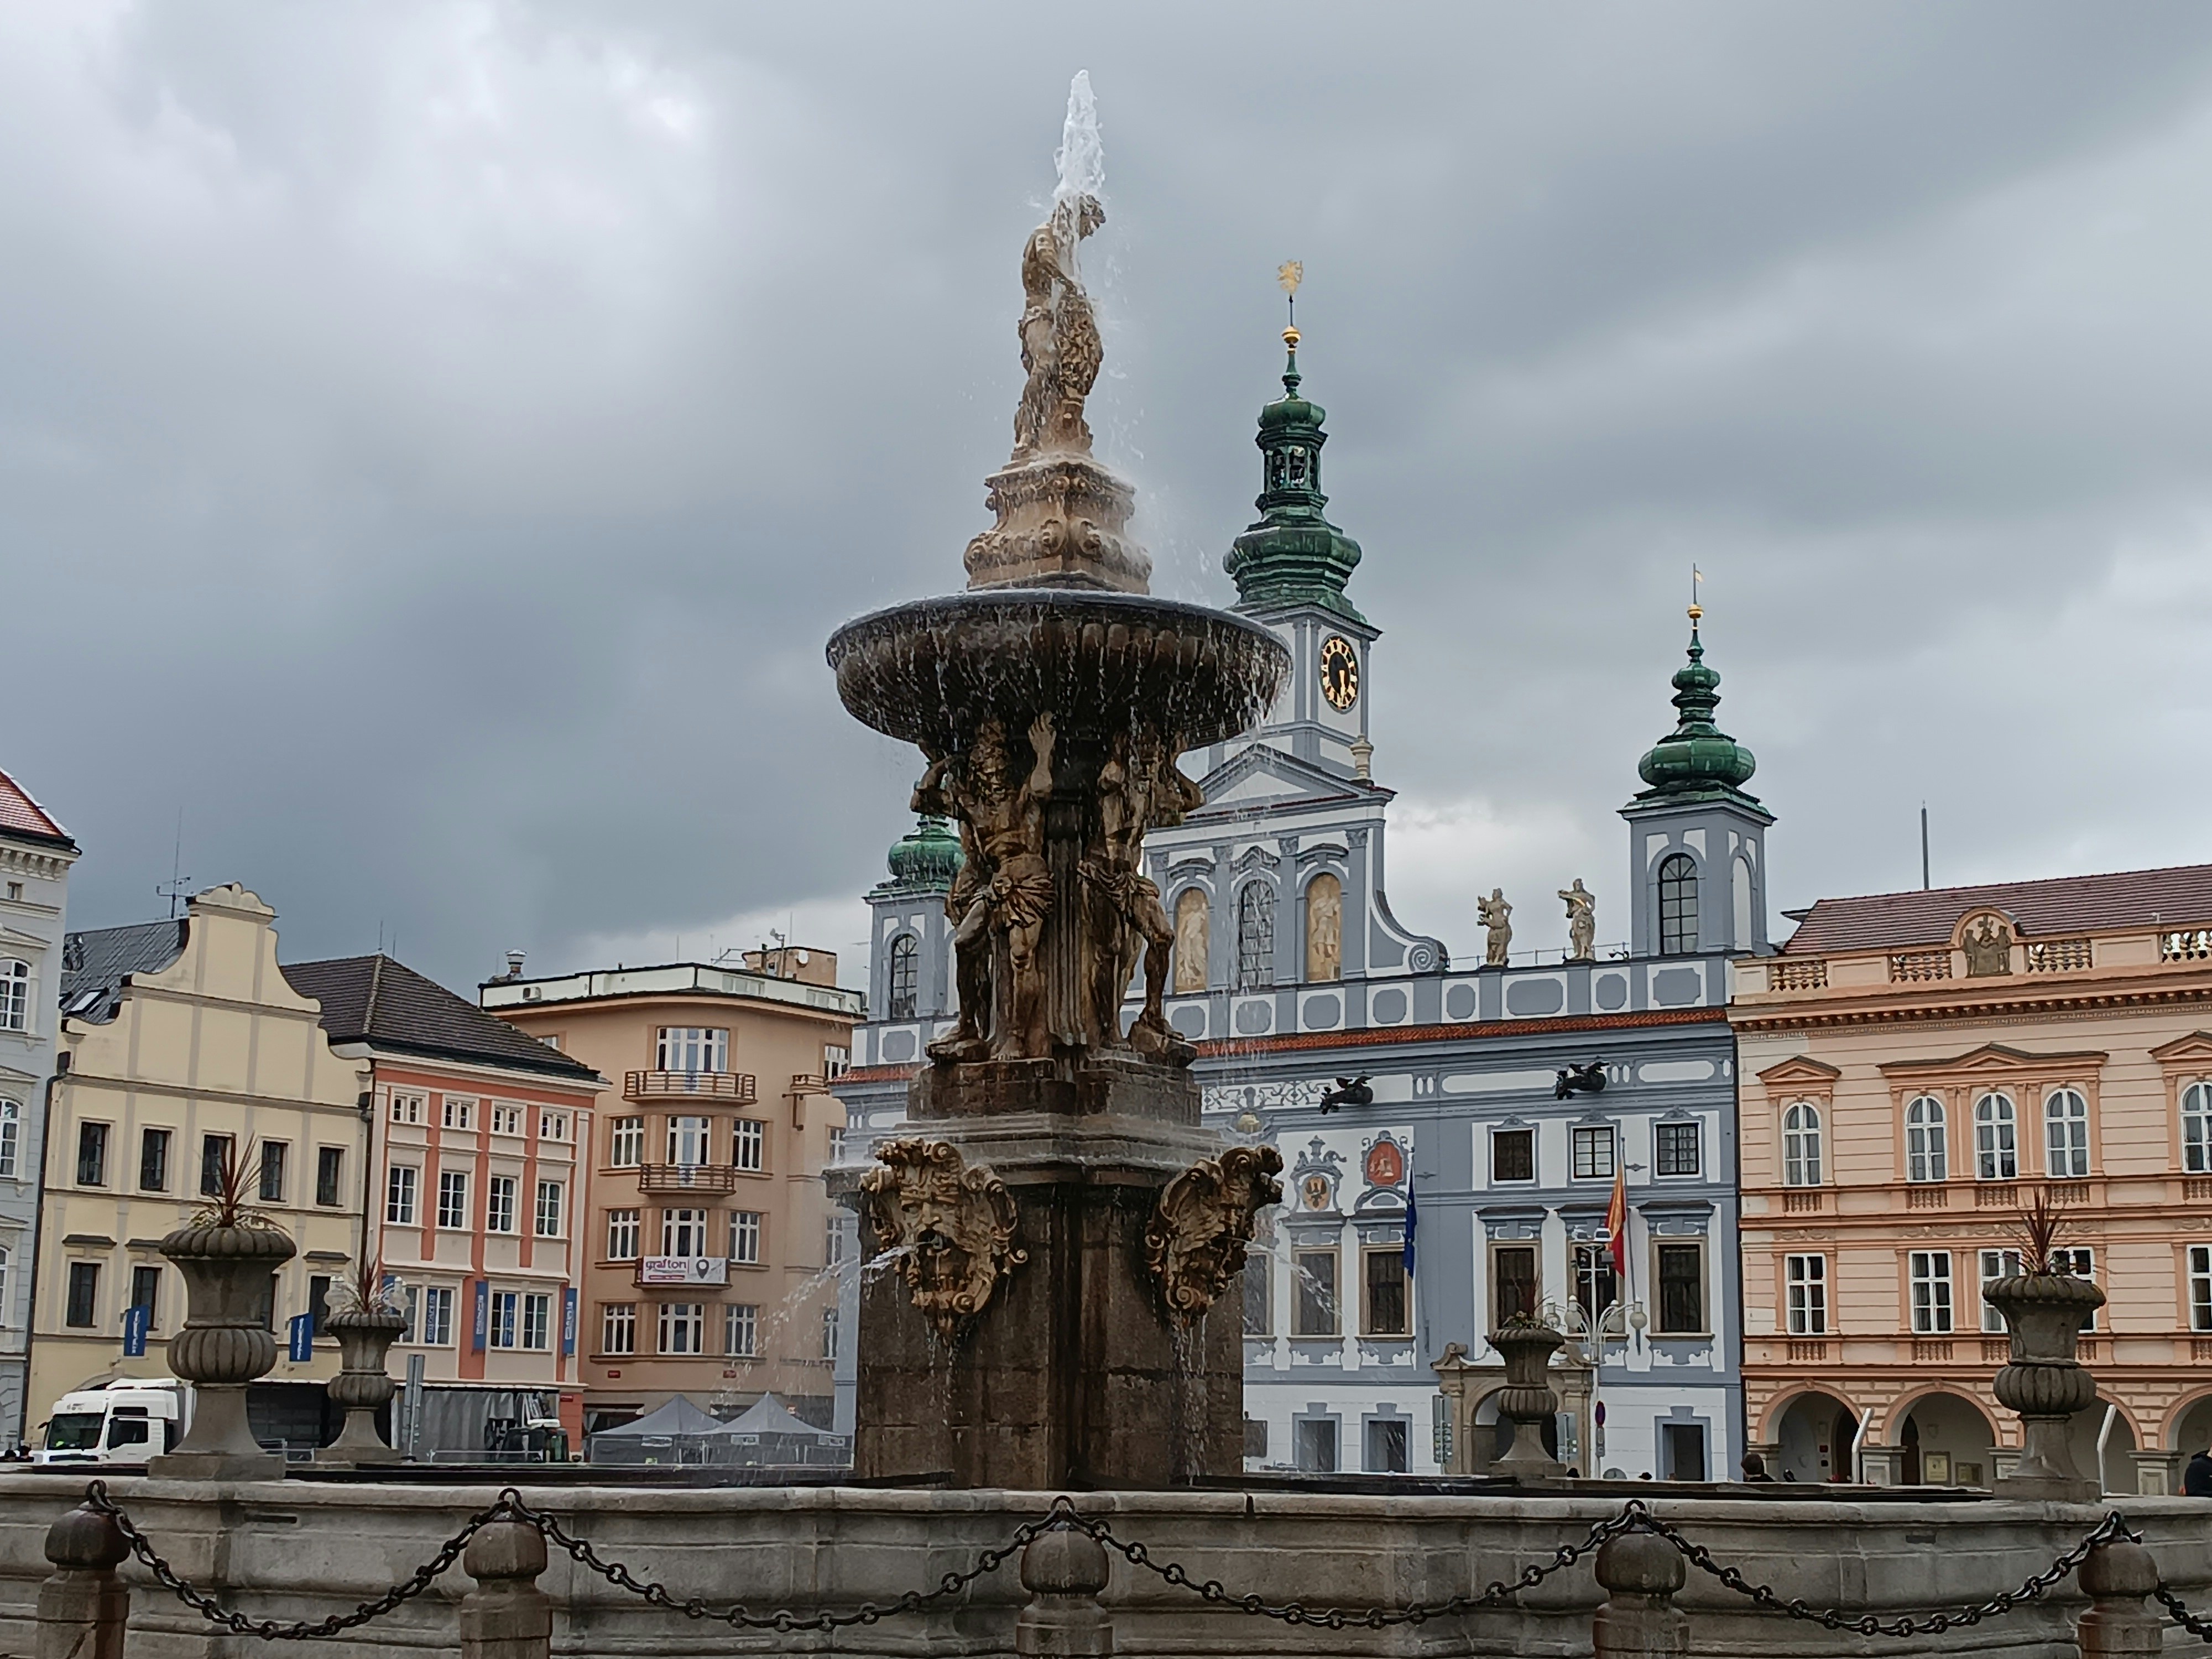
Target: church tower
point(1697, 841)
point(909, 965)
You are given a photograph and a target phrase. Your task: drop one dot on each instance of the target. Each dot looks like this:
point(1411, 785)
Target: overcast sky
point(436, 440)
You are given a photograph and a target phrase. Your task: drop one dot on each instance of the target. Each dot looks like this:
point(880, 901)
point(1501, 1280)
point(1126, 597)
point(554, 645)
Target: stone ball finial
point(2120, 1569)
point(505, 1549)
point(1063, 1562)
point(86, 1539)
point(1640, 1564)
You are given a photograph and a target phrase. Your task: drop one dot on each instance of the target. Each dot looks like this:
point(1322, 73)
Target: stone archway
point(2189, 1429)
point(1812, 1433)
point(1947, 1441)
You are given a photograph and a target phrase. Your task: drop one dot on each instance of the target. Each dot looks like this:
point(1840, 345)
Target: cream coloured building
point(179, 1038)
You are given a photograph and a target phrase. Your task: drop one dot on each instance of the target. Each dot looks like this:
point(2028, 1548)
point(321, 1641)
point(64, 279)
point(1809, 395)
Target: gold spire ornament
point(1289, 274)
point(1697, 609)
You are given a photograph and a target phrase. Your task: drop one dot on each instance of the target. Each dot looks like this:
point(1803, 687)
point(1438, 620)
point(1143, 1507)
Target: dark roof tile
point(2180, 896)
point(95, 960)
point(378, 1000)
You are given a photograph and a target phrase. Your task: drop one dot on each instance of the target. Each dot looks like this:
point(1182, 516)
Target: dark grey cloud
point(436, 440)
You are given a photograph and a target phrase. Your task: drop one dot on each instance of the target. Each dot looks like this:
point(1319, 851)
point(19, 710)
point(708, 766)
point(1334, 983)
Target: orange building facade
point(711, 1252)
point(1914, 1067)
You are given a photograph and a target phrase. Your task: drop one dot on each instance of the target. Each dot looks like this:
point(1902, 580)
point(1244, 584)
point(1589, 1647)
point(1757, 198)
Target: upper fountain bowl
point(931, 672)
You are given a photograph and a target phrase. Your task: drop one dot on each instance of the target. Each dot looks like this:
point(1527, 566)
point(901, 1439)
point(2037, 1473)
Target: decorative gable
point(1800, 1071)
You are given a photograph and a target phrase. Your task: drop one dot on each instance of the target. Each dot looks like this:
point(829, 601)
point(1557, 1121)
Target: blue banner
point(303, 1338)
point(483, 1315)
point(136, 1321)
point(568, 1322)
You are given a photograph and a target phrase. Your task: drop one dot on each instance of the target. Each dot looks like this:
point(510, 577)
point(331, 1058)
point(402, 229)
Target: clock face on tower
point(1339, 673)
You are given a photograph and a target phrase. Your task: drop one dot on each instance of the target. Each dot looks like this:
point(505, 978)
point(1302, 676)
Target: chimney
point(514, 964)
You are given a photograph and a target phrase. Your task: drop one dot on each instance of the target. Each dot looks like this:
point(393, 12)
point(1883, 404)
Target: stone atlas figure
point(1582, 921)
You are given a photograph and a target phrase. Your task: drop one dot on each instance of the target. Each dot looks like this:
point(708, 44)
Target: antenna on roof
point(179, 884)
point(1924, 847)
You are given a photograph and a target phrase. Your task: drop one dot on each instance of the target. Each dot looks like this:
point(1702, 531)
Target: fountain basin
point(929, 672)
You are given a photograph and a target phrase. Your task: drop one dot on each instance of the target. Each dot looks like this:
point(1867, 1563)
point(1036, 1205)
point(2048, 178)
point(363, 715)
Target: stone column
point(1065, 1572)
point(2119, 1577)
point(1639, 1619)
point(1879, 1466)
point(82, 1607)
point(506, 1616)
point(2158, 1473)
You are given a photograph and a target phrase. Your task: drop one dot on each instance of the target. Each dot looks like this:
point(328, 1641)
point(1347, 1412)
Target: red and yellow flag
point(1616, 1222)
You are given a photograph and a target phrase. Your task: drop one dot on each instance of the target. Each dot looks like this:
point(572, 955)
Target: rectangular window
point(1806, 1285)
point(2200, 1287)
point(460, 1112)
point(2082, 1264)
point(1678, 1148)
point(153, 1161)
point(83, 1311)
point(749, 1150)
point(549, 1209)
point(438, 1316)
point(1597, 1285)
point(1513, 1270)
point(1681, 1273)
point(741, 1330)
point(215, 1154)
point(1996, 1264)
point(683, 1328)
point(626, 1142)
point(1931, 1274)
point(830, 1333)
point(537, 1320)
point(552, 1126)
point(1260, 1294)
point(146, 1291)
point(745, 1235)
point(406, 1109)
point(274, 1156)
point(399, 1196)
point(618, 1327)
point(837, 1145)
point(92, 1154)
point(833, 1242)
point(319, 1301)
point(687, 1140)
point(1386, 1292)
point(1387, 1445)
point(499, 1205)
point(506, 1118)
point(621, 1235)
point(1594, 1153)
point(693, 1049)
point(506, 1305)
point(1513, 1155)
point(683, 1232)
point(11, 1113)
point(453, 1200)
point(330, 1171)
point(835, 1062)
point(1315, 1310)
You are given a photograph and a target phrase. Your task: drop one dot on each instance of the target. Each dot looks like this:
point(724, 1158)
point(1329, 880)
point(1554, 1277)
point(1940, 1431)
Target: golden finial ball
point(1695, 612)
point(1290, 338)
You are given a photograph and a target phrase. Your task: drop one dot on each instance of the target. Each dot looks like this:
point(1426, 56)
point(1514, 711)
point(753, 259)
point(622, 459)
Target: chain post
point(2119, 1577)
point(506, 1616)
point(1064, 1571)
point(83, 1608)
point(1638, 1619)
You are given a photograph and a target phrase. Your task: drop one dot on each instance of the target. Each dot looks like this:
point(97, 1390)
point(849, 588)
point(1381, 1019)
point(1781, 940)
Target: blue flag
point(1413, 1221)
point(136, 1321)
point(303, 1338)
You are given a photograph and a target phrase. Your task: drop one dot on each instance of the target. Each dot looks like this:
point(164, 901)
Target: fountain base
point(1072, 1375)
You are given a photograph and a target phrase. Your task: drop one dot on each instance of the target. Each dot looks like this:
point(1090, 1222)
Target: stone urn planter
point(222, 1347)
point(365, 1335)
point(1526, 1400)
point(2044, 1382)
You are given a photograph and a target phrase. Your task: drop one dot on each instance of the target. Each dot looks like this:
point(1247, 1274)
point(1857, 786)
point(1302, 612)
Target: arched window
point(1927, 1140)
point(1324, 928)
point(1255, 936)
point(1801, 1146)
point(905, 974)
point(1678, 905)
point(1997, 1155)
point(2065, 1134)
point(2197, 1130)
point(11, 1122)
point(1192, 917)
point(15, 995)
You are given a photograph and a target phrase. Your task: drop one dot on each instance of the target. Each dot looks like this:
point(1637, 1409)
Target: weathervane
point(1696, 609)
point(1289, 274)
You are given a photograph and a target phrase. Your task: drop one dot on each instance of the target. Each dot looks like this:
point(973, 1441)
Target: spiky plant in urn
point(228, 1254)
point(367, 1318)
point(2044, 1308)
point(1528, 1401)
point(1050, 701)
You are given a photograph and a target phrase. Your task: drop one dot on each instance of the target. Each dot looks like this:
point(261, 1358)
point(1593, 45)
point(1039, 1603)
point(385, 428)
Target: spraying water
point(1081, 156)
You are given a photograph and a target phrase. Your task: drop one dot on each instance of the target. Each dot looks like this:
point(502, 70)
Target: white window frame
point(2200, 1287)
point(506, 1118)
point(686, 1323)
point(407, 1108)
point(1587, 1134)
point(403, 1193)
point(506, 1309)
point(692, 1049)
point(1996, 1137)
point(500, 1197)
point(689, 1141)
point(452, 1201)
point(747, 1229)
point(1927, 1139)
point(2066, 1133)
point(684, 1232)
point(624, 1235)
point(625, 1143)
point(1660, 1134)
point(457, 1112)
point(1993, 1265)
point(749, 1145)
point(11, 1129)
point(15, 995)
point(741, 1330)
point(551, 1195)
point(1934, 1304)
point(536, 1321)
point(2082, 1262)
point(1801, 1143)
point(1805, 1292)
point(618, 1327)
point(552, 1126)
point(437, 1330)
point(833, 1242)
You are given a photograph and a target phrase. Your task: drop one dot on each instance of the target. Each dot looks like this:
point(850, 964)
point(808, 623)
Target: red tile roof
point(2180, 896)
point(21, 816)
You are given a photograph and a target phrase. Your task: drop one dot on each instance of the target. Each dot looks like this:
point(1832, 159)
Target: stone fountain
point(1055, 1229)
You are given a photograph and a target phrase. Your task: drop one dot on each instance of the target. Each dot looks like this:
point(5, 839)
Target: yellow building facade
point(179, 1038)
point(1914, 1068)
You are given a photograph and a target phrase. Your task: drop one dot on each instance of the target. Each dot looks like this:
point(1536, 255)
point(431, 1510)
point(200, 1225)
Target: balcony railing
point(1920, 964)
point(676, 1179)
point(1799, 975)
point(1807, 1201)
point(1927, 1196)
point(729, 1088)
point(2058, 956)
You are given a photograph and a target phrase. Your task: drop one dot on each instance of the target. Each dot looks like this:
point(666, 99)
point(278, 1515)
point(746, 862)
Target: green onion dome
point(927, 857)
point(1697, 758)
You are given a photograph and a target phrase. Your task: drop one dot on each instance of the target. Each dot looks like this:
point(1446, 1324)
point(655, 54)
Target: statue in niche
point(1009, 896)
point(1582, 922)
point(1192, 939)
point(1988, 947)
point(1498, 916)
point(1139, 785)
point(1324, 928)
point(1061, 348)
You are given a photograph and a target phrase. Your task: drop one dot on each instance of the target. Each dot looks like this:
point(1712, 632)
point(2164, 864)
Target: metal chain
point(1871, 1624)
point(1297, 1613)
point(2197, 1627)
point(96, 1498)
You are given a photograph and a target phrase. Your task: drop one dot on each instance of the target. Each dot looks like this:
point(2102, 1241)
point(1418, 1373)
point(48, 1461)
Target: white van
point(125, 1421)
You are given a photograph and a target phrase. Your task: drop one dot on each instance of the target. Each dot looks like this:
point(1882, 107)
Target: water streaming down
point(1030, 1338)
